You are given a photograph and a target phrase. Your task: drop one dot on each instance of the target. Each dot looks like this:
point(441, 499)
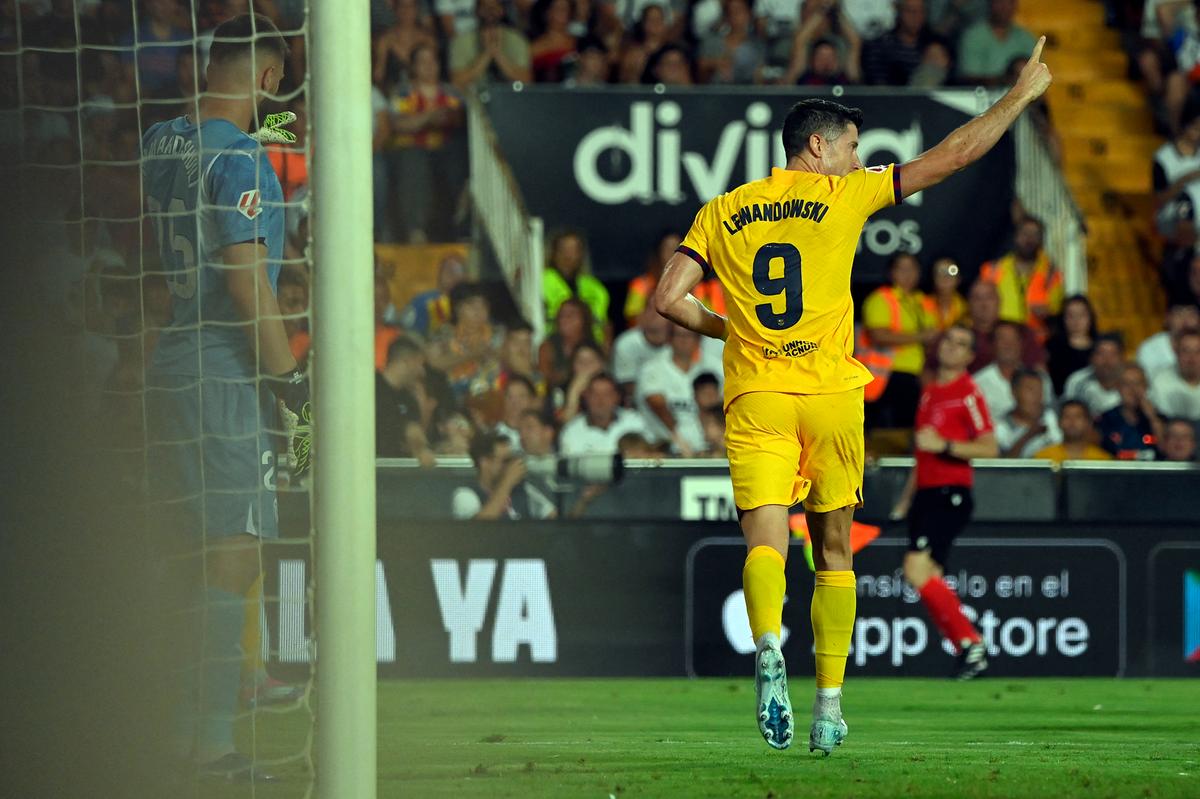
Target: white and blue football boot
point(828, 728)
point(772, 704)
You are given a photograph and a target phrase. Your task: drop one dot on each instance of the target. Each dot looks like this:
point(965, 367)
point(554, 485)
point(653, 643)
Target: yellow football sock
point(833, 605)
point(763, 583)
point(252, 634)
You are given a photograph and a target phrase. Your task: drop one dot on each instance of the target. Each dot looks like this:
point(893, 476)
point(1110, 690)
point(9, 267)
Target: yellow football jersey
point(783, 248)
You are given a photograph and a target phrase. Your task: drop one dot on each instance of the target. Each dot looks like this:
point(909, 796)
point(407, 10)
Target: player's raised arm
point(970, 142)
point(673, 300)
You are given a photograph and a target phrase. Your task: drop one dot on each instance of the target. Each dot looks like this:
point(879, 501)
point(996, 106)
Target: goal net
point(170, 368)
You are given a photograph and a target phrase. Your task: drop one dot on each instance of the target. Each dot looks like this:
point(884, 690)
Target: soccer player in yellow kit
point(783, 248)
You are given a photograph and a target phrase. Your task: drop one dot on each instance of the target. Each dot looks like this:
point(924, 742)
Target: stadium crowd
point(1057, 387)
point(455, 364)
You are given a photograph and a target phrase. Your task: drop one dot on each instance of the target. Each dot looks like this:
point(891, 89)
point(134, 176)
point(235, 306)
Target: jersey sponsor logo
point(792, 349)
point(250, 203)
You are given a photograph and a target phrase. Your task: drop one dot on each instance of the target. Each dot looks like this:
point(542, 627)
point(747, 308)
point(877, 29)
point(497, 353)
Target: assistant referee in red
point(952, 427)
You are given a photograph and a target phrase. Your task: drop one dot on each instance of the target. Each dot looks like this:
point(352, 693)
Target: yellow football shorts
point(784, 448)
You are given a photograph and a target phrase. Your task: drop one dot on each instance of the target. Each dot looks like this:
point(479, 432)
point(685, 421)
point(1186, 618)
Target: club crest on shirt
point(250, 204)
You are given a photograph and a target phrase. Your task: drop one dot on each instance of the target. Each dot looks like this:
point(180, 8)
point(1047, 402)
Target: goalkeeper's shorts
point(211, 458)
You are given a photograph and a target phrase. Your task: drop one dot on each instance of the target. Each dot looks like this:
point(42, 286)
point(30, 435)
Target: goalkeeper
point(218, 213)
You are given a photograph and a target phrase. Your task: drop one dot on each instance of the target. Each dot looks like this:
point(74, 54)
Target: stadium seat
point(1108, 143)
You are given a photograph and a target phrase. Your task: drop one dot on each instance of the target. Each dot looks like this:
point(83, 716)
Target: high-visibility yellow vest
point(878, 360)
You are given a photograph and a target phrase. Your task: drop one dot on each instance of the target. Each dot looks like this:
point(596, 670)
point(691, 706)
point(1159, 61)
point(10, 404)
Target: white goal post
point(344, 447)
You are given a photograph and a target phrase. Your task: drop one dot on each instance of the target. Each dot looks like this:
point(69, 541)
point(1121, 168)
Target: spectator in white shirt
point(1031, 425)
point(996, 380)
point(1176, 392)
point(666, 395)
point(599, 428)
point(519, 396)
point(501, 491)
point(1096, 385)
point(637, 345)
point(1158, 352)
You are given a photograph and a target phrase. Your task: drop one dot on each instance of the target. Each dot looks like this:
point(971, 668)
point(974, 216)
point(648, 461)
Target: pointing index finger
point(1037, 50)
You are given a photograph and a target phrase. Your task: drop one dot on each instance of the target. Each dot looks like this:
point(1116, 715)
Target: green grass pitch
point(697, 738)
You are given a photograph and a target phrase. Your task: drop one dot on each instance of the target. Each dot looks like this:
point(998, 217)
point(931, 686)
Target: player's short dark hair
point(402, 346)
point(483, 445)
point(245, 34)
point(1023, 373)
point(705, 379)
point(1068, 403)
point(816, 115)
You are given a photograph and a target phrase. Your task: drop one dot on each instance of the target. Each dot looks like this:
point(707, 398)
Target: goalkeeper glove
point(295, 408)
point(271, 130)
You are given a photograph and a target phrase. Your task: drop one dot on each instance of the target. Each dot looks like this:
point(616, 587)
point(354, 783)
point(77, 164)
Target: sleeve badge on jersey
point(877, 169)
point(250, 204)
